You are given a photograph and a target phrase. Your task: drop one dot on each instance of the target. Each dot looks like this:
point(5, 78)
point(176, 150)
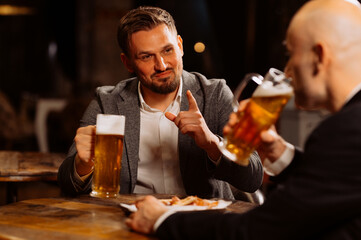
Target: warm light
point(15, 10)
point(199, 47)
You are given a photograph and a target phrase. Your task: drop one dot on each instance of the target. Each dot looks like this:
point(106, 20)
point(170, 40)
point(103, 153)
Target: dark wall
point(25, 64)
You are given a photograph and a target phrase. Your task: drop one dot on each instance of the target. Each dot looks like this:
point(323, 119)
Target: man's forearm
point(213, 151)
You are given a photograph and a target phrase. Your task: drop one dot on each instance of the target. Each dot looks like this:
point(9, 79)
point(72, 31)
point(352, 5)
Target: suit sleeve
point(288, 170)
point(283, 216)
point(269, 221)
point(66, 179)
point(247, 178)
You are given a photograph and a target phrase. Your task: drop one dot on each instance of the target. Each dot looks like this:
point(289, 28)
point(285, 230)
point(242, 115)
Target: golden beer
point(260, 114)
point(262, 111)
point(107, 165)
point(108, 152)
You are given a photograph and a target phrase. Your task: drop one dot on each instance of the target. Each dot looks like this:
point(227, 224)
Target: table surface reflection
point(18, 167)
point(83, 217)
point(29, 166)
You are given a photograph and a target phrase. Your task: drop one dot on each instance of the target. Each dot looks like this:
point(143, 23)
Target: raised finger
point(192, 102)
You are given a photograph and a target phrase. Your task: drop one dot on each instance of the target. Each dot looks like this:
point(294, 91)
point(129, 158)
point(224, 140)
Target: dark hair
point(142, 18)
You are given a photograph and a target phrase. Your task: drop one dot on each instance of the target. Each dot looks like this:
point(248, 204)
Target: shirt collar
point(144, 105)
point(353, 93)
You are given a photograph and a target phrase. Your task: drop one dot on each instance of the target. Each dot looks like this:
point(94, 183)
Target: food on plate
point(189, 201)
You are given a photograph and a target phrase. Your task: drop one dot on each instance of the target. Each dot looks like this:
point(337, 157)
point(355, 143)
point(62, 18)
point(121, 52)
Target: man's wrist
point(213, 151)
point(276, 167)
point(162, 218)
point(82, 178)
point(81, 168)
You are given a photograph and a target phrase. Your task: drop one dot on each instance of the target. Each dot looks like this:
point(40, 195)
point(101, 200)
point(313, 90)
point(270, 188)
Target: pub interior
point(54, 53)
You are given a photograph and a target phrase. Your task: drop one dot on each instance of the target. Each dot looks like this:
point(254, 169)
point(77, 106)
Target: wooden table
point(74, 218)
point(26, 167)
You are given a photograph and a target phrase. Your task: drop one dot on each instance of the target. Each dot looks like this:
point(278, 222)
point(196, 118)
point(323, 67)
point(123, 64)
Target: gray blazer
point(200, 176)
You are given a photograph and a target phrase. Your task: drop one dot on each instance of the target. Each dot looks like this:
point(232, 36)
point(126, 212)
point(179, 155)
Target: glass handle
point(246, 88)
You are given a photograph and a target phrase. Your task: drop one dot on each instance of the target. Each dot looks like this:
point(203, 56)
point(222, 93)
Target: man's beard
point(163, 88)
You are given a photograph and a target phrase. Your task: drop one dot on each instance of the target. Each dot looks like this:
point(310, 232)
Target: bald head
point(325, 37)
point(335, 22)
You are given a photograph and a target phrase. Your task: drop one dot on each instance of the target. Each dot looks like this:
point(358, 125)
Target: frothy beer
point(108, 155)
point(262, 111)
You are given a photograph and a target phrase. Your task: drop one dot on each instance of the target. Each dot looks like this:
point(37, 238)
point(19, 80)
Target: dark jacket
point(319, 198)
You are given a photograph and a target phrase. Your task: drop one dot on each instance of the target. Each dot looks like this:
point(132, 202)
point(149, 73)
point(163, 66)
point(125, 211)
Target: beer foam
point(110, 124)
point(268, 90)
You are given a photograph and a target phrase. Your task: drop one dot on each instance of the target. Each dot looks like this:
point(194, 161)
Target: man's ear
point(126, 62)
point(320, 58)
point(180, 43)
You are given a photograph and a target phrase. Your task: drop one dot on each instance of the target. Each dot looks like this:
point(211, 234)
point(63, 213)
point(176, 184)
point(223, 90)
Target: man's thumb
point(170, 116)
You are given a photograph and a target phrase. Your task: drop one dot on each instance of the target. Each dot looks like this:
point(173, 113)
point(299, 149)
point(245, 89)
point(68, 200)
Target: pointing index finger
point(192, 102)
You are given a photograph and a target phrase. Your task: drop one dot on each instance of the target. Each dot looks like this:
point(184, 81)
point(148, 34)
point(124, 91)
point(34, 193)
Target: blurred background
point(64, 49)
point(54, 53)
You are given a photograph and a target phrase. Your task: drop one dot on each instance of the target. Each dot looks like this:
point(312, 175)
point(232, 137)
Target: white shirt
point(158, 166)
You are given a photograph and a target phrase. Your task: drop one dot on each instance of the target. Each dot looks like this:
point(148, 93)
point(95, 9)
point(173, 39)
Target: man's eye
point(145, 57)
point(287, 54)
point(168, 50)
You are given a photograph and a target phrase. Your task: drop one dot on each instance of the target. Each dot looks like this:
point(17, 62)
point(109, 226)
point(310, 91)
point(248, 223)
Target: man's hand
point(233, 118)
point(84, 141)
point(149, 210)
point(272, 145)
point(191, 122)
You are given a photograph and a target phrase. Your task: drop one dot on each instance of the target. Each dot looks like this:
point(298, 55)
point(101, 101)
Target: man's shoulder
point(124, 85)
point(196, 77)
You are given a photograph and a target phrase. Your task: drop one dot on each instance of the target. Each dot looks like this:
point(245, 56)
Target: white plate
point(221, 205)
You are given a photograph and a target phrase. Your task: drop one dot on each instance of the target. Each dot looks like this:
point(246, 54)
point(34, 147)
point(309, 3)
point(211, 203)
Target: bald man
point(320, 193)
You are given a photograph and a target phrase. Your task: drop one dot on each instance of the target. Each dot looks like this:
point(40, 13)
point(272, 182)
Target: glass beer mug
point(270, 95)
point(108, 151)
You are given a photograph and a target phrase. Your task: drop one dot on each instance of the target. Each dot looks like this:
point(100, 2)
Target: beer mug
point(108, 151)
point(268, 97)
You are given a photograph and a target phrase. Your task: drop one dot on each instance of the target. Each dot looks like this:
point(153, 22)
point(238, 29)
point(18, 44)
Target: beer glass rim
point(110, 124)
point(277, 75)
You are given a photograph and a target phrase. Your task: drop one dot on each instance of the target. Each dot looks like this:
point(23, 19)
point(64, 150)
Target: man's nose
point(160, 64)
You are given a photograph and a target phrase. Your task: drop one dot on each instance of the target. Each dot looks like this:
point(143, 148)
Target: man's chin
point(308, 106)
point(164, 89)
point(166, 86)
point(163, 80)
point(162, 85)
